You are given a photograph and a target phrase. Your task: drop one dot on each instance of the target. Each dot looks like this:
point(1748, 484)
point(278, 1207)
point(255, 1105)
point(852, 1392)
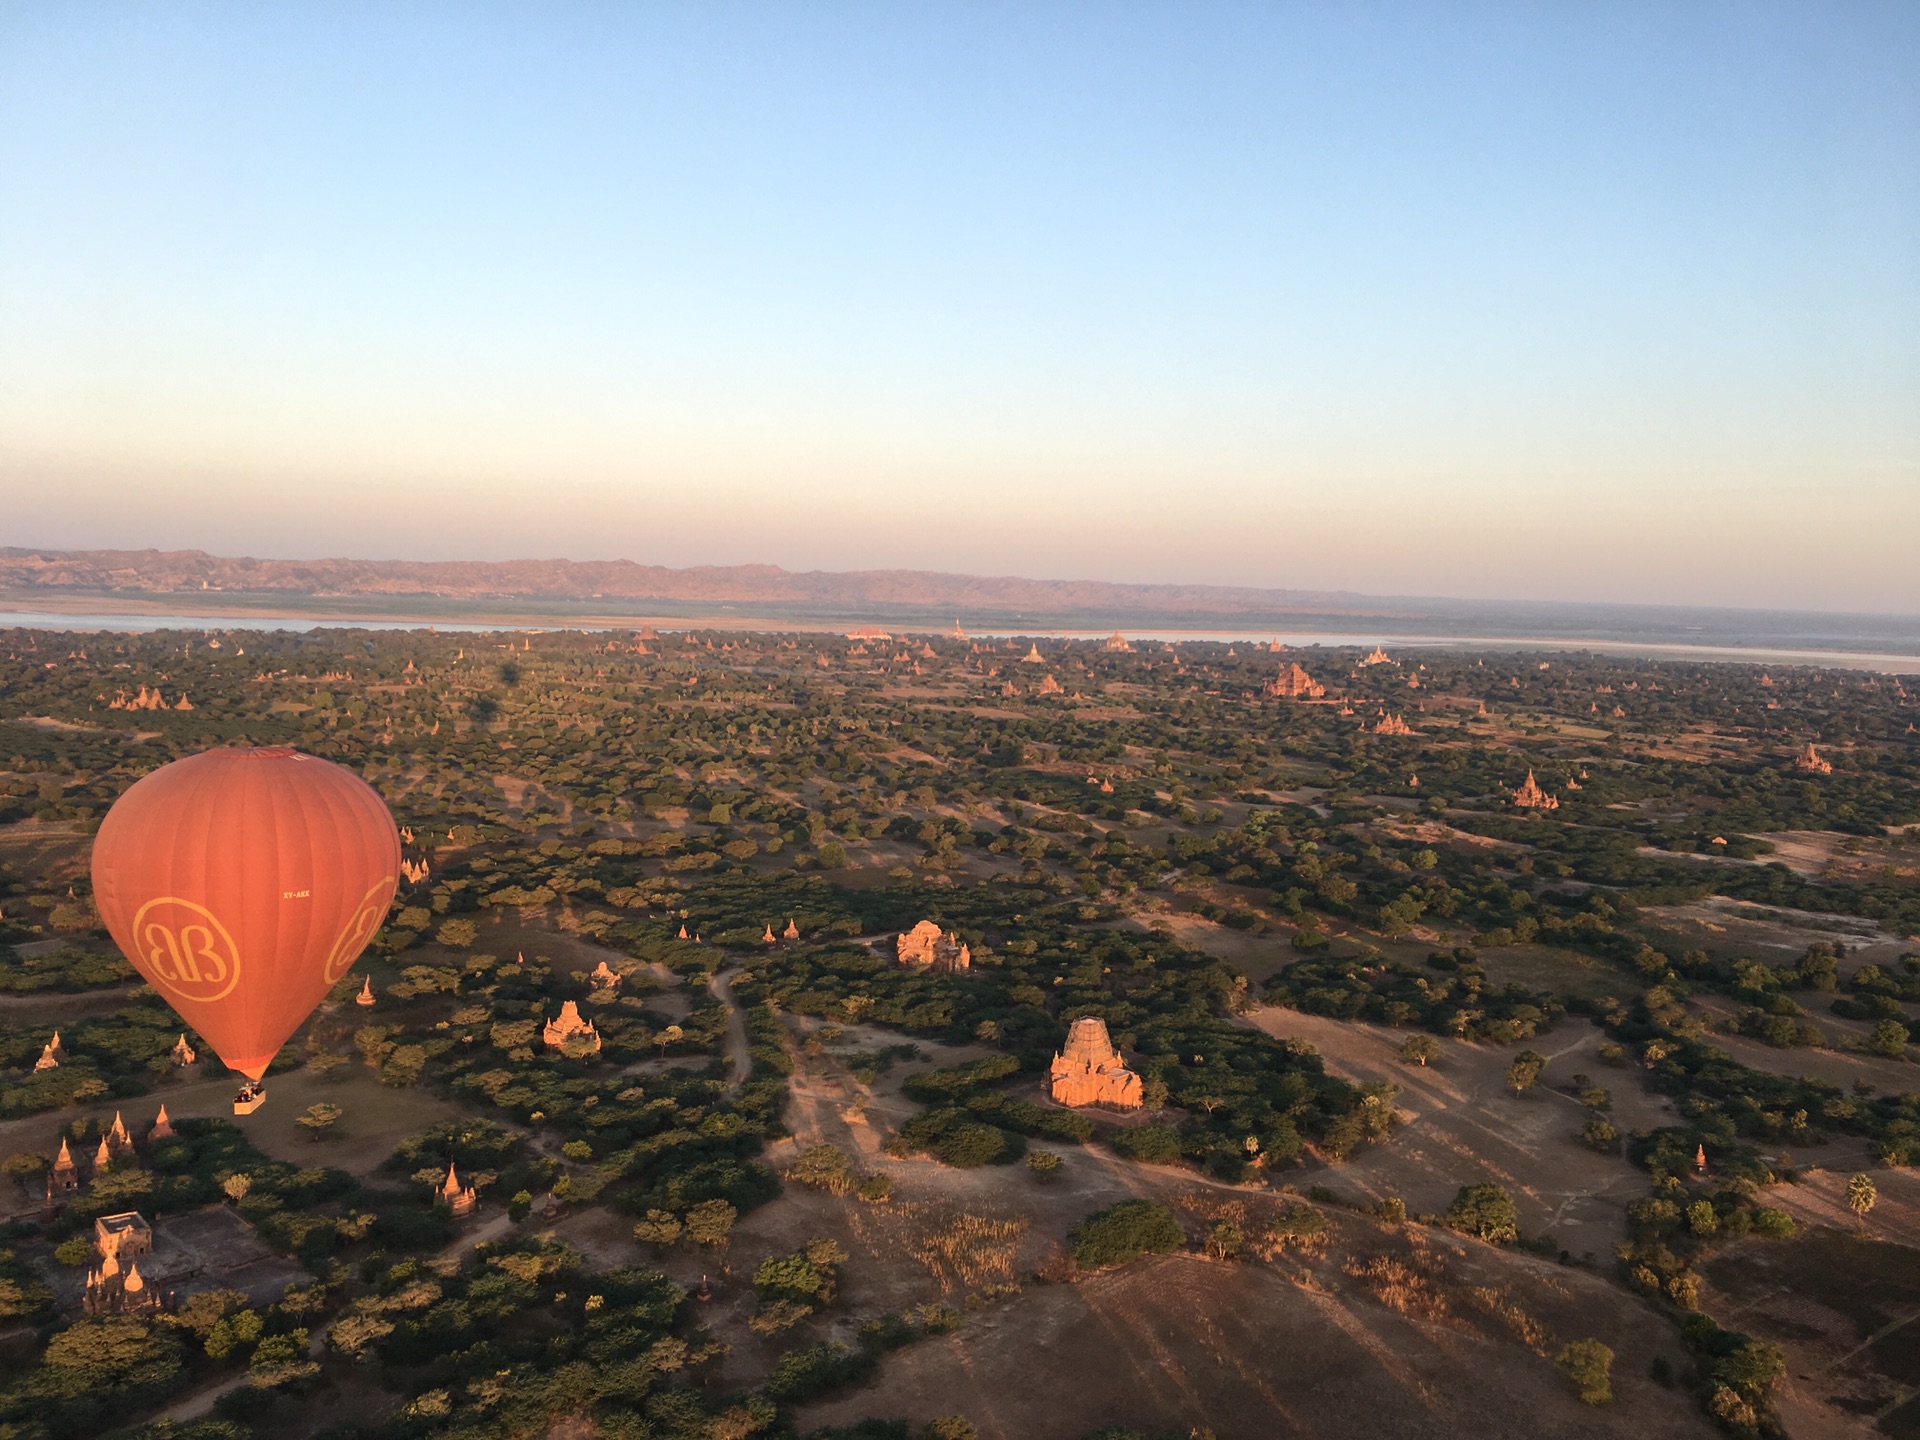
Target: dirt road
point(739, 1060)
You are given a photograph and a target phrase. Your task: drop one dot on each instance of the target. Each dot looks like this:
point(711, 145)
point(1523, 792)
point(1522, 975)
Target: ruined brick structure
point(1808, 760)
point(925, 944)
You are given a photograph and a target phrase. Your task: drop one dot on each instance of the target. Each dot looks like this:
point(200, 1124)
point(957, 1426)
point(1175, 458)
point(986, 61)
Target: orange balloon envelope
point(243, 883)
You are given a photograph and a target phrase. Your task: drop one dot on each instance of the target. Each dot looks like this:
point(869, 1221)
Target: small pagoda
point(1808, 760)
point(64, 1179)
point(461, 1199)
point(118, 1141)
point(52, 1055)
point(182, 1055)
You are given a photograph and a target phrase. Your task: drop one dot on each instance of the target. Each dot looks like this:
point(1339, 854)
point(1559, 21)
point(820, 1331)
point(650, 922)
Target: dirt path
point(739, 1059)
point(492, 1228)
point(24, 1007)
point(200, 1402)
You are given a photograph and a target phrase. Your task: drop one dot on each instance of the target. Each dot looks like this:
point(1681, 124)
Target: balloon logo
point(242, 884)
point(189, 953)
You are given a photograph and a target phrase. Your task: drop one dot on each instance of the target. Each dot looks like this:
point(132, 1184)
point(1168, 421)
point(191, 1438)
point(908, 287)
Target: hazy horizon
point(1492, 303)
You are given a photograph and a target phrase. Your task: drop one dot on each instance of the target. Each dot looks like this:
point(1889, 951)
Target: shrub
point(957, 1080)
point(1589, 1364)
point(1153, 1144)
point(1774, 1224)
point(824, 1167)
point(1044, 1164)
point(966, 1146)
point(1125, 1232)
point(800, 1374)
point(1485, 1211)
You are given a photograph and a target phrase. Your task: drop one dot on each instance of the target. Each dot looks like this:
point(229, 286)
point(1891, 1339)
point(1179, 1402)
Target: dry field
point(1425, 1333)
point(1771, 933)
point(1847, 1309)
point(1460, 1125)
point(1404, 1335)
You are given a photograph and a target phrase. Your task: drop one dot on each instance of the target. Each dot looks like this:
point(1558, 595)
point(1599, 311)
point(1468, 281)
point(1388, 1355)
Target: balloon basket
point(250, 1104)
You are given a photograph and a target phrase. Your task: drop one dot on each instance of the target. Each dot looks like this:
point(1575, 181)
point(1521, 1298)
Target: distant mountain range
point(191, 582)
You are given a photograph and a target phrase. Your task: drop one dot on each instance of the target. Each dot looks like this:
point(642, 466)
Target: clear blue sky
point(1575, 301)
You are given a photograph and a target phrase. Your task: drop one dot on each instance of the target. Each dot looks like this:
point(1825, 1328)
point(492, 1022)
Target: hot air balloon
point(243, 883)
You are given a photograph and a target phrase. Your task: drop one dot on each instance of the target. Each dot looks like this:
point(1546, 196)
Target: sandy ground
point(1460, 1126)
point(1773, 934)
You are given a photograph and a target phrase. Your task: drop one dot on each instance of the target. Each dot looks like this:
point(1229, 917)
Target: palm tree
point(1862, 1195)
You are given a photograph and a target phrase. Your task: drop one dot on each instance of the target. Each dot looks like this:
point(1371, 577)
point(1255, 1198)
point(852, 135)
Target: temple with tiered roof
point(1089, 1071)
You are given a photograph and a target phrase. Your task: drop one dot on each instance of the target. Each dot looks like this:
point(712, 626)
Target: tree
point(658, 1228)
point(318, 1119)
point(116, 1351)
point(1525, 1070)
point(404, 1065)
point(1485, 1211)
point(1420, 1050)
point(236, 1187)
point(672, 1035)
point(457, 933)
point(710, 1223)
point(832, 856)
point(25, 1166)
point(1862, 1195)
point(1224, 1238)
point(1599, 1134)
point(1889, 1038)
point(1589, 1364)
